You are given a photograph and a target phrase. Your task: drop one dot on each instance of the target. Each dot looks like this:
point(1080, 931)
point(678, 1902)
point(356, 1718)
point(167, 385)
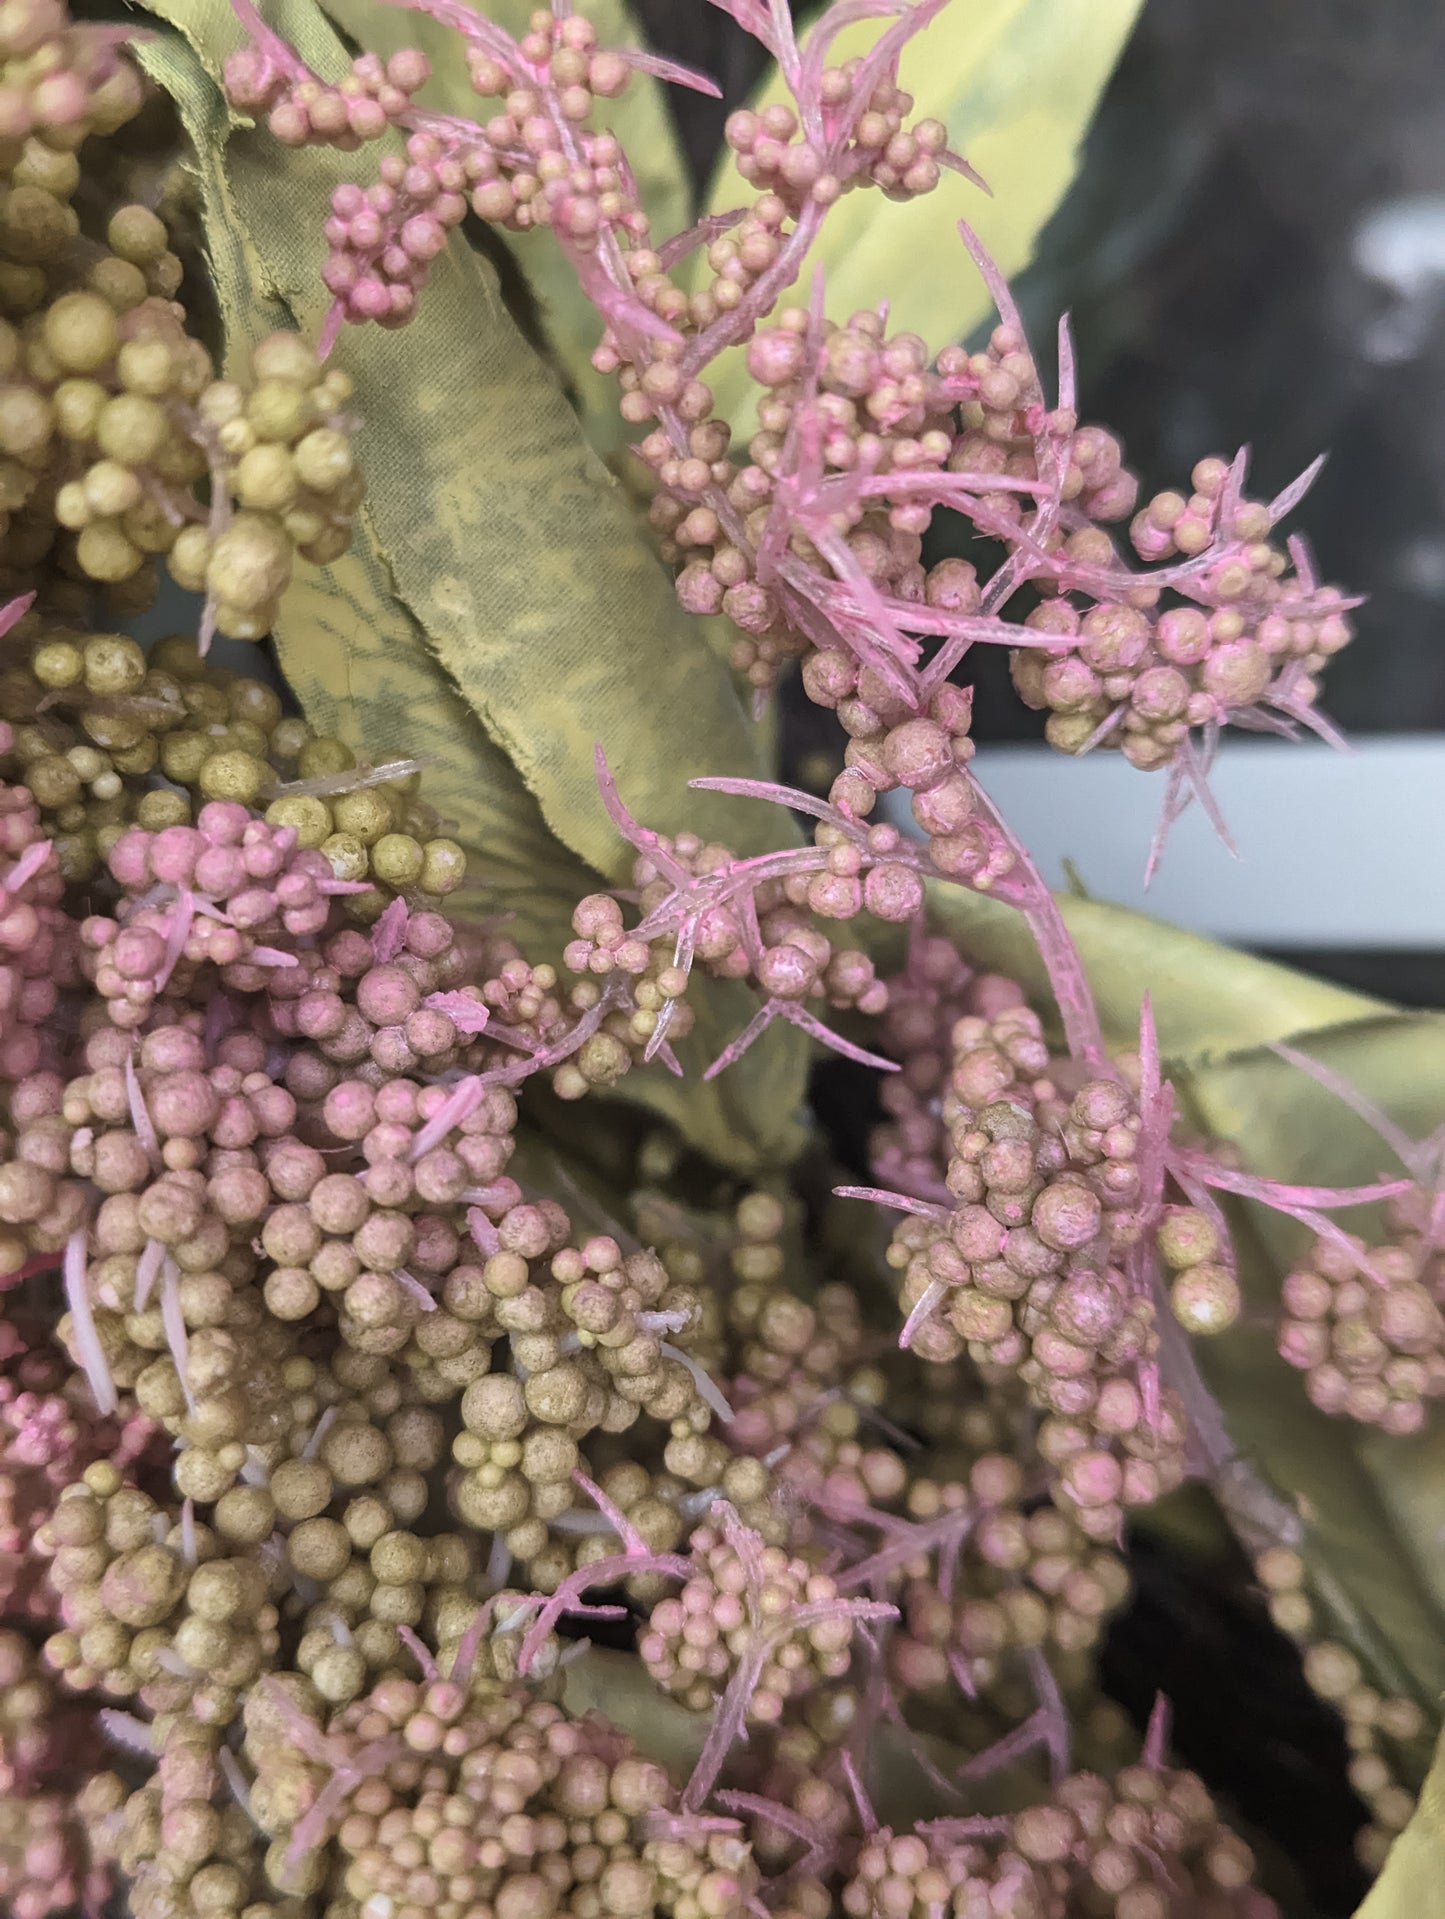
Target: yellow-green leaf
point(1206, 998)
point(1412, 1884)
point(618, 1686)
point(1016, 83)
point(640, 120)
point(1371, 1502)
point(501, 610)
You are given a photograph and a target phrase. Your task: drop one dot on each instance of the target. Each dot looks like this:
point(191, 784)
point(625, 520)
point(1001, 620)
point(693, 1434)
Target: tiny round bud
point(1205, 1299)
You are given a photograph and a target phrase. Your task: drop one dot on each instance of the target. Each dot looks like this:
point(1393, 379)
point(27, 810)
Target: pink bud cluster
point(1019, 1581)
point(776, 155)
point(215, 893)
point(1251, 632)
point(534, 163)
point(1020, 1249)
point(60, 80)
point(300, 110)
point(1364, 1326)
point(746, 1601)
point(937, 988)
point(757, 920)
point(384, 238)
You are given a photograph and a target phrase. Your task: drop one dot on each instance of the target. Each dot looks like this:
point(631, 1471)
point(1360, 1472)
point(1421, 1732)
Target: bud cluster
point(1382, 1731)
point(118, 446)
point(1027, 1271)
point(1365, 1328)
point(1026, 1578)
point(440, 1796)
point(1140, 1846)
point(301, 111)
point(741, 1601)
point(62, 81)
point(51, 1796)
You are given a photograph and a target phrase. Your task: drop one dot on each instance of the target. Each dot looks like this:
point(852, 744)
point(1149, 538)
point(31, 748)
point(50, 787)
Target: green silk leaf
point(501, 610)
point(1016, 83)
point(1412, 1882)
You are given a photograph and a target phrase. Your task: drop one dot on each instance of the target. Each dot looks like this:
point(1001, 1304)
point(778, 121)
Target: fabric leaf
point(501, 610)
point(1206, 998)
point(1412, 1884)
point(1016, 83)
point(1370, 1501)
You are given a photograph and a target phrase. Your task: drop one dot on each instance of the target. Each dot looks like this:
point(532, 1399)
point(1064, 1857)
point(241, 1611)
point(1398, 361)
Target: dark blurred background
point(1254, 251)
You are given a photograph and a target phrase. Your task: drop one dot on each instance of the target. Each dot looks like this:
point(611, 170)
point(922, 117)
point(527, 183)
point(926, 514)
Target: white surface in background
point(1400, 244)
point(1337, 849)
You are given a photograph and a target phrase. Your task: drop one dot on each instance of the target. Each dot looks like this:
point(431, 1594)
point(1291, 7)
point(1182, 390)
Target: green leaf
point(1206, 998)
point(1371, 1502)
point(1412, 1884)
point(640, 120)
point(501, 610)
point(1016, 83)
point(618, 1686)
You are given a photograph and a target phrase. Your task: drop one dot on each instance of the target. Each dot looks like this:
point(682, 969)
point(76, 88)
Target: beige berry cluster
point(797, 1372)
point(282, 441)
point(592, 1338)
point(53, 1795)
point(38, 955)
point(182, 1839)
point(462, 1802)
point(110, 419)
point(152, 1609)
point(407, 1250)
point(92, 717)
point(1383, 1731)
point(65, 316)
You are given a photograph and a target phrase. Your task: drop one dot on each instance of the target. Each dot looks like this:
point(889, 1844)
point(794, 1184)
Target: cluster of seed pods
point(1365, 1328)
point(1026, 1268)
point(359, 1416)
point(1096, 1847)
